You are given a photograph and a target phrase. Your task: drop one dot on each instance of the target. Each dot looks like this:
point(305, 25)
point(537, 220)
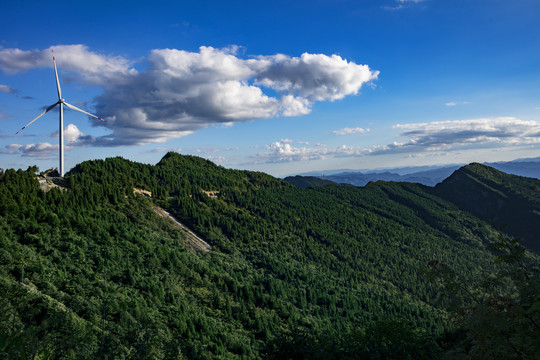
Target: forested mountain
point(500, 199)
point(524, 167)
point(89, 270)
point(304, 182)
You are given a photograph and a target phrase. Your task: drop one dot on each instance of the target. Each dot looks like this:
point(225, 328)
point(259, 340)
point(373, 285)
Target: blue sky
point(282, 87)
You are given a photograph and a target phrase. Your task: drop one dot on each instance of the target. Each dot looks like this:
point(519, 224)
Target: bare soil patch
point(193, 242)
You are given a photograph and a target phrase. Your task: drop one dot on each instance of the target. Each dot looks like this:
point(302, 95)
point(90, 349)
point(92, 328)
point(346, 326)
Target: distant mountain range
point(426, 175)
point(498, 198)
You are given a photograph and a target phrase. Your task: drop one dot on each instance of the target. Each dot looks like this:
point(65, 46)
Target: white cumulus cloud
point(89, 66)
point(284, 152)
point(316, 77)
point(72, 137)
point(400, 4)
point(182, 91)
point(41, 150)
point(179, 92)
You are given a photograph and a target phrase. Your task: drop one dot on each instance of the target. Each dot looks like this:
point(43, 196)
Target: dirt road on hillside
point(192, 241)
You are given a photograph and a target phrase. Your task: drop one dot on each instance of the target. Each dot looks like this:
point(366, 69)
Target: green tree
point(498, 315)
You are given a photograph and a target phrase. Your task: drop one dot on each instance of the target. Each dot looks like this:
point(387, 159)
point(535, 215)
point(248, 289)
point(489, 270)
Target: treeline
point(92, 272)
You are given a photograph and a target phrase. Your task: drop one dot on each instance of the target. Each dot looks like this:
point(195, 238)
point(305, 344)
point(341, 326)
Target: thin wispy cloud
point(464, 134)
point(163, 150)
point(456, 103)
point(347, 131)
point(401, 4)
point(422, 138)
point(180, 92)
point(207, 151)
point(6, 89)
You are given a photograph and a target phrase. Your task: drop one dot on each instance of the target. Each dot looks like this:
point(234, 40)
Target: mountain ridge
point(504, 200)
point(426, 175)
point(320, 262)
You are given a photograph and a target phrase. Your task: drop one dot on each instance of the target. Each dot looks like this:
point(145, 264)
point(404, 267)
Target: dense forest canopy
point(88, 269)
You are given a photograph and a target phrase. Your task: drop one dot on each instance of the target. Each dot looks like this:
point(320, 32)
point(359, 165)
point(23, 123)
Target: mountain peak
point(497, 198)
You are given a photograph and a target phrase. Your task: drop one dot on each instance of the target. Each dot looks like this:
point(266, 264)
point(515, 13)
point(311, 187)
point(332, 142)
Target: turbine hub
point(62, 101)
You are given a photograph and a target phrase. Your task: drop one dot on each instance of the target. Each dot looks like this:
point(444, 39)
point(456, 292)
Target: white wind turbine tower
point(60, 102)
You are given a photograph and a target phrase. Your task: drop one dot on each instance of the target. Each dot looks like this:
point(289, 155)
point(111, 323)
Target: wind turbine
point(60, 102)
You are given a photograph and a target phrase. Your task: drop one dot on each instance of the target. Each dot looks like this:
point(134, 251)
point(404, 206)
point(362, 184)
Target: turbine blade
point(40, 115)
point(84, 112)
point(56, 75)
